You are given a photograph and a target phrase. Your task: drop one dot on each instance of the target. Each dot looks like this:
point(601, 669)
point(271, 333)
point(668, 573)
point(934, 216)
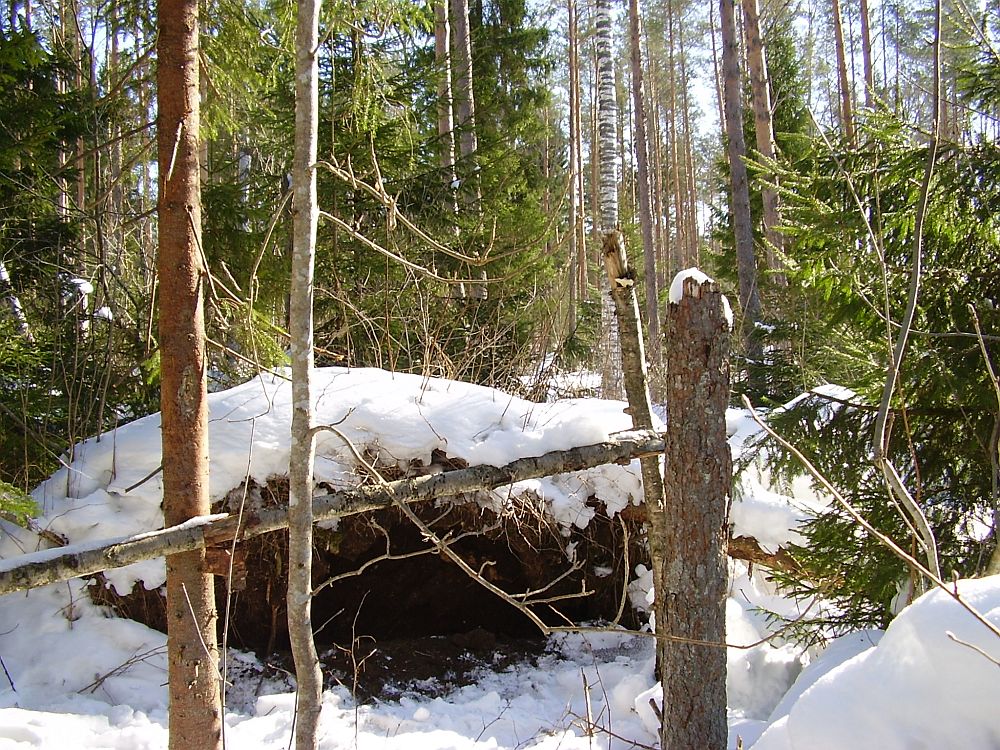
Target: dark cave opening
point(420, 614)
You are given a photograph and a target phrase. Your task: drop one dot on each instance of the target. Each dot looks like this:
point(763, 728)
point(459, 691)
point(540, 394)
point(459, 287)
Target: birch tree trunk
point(746, 262)
point(192, 655)
point(763, 125)
point(642, 166)
point(607, 123)
point(305, 214)
point(698, 474)
point(13, 303)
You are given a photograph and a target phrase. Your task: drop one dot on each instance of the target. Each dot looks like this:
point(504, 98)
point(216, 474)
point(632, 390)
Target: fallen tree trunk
point(73, 561)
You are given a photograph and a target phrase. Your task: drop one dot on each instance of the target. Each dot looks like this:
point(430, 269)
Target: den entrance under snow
point(391, 607)
point(565, 545)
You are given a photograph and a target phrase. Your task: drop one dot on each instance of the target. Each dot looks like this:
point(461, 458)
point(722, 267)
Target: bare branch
point(50, 566)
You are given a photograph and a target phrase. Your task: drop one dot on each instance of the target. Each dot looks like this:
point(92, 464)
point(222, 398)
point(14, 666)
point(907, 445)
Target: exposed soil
point(418, 622)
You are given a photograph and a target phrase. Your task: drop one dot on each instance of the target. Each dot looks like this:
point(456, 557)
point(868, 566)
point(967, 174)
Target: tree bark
point(846, 108)
point(866, 55)
point(445, 122)
point(746, 262)
point(305, 216)
point(697, 479)
point(692, 187)
point(13, 303)
point(465, 102)
point(637, 393)
point(763, 126)
point(607, 122)
point(642, 166)
point(716, 70)
point(577, 240)
point(53, 565)
point(195, 703)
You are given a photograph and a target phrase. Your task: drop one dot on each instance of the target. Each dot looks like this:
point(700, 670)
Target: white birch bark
point(607, 124)
point(305, 215)
point(14, 303)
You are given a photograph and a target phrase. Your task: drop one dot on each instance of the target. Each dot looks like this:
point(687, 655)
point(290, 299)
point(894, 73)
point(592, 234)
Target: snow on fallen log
point(87, 558)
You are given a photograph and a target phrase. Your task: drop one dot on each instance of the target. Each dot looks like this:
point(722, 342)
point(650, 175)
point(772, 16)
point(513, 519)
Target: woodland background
point(462, 210)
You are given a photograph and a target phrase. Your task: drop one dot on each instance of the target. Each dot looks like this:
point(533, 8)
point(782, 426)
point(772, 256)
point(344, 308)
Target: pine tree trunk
point(716, 70)
point(746, 262)
point(681, 223)
point(763, 127)
point(866, 54)
point(577, 255)
point(692, 187)
point(645, 203)
point(445, 120)
point(846, 109)
point(697, 478)
point(305, 214)
point(465, 102)
point(192, 654)
point(662, 220)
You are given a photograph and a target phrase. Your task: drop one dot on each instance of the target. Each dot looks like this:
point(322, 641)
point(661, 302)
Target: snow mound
point(112, 487)
point(930, 682)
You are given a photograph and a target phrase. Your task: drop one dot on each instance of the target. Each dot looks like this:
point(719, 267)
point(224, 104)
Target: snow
point(73, 676)
point(699, 277)
point(112, 487)
point(923, 685)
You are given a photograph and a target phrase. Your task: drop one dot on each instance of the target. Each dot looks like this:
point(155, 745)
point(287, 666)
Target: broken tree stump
point(697, 480)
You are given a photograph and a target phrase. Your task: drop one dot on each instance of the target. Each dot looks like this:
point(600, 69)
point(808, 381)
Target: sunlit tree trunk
point(445, 120)
point(692, 186)
point(465, 101)
point(305, 215)
point(577, 253)
point(763, 127)
point(866, 54)
point(683, 243)
point(846, 108)
point(746, 262)
point(642, 166)
point(607, 121)
point(195, 704)
point(715, 68)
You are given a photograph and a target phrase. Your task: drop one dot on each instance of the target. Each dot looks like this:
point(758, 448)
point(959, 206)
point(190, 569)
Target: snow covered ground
point(76, 677)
